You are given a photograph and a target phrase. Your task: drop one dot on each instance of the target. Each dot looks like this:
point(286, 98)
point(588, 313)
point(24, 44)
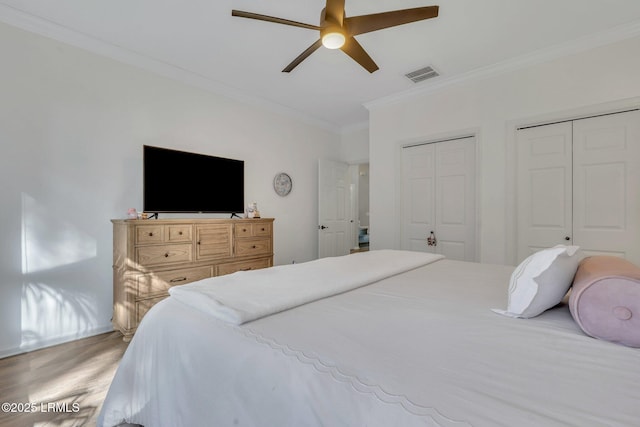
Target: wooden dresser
point(150, 256)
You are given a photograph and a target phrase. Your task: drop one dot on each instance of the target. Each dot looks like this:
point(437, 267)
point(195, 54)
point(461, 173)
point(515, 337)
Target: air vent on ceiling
point(422, 74)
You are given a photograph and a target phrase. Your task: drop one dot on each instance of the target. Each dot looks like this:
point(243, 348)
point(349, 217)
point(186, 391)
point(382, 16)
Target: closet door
point(606, 190)
point(544, 187)
point(578, 183)
point(438, 194)
point(418, 197)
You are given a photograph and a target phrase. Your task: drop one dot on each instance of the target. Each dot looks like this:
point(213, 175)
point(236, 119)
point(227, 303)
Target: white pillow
point(541, 281)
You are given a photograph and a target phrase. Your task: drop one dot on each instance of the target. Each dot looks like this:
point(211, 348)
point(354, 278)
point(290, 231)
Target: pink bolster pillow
point(605, 299)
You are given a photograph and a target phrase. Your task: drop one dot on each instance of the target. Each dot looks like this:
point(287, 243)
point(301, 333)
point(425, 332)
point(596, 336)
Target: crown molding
point(38, 25)
point(582, 44)
point(44, 27)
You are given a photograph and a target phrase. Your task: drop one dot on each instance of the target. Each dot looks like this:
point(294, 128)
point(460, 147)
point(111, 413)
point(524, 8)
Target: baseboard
point(54, 341)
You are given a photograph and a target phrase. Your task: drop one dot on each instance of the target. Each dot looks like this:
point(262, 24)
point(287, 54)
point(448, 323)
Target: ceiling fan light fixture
point(333, 40)
point(337, 31)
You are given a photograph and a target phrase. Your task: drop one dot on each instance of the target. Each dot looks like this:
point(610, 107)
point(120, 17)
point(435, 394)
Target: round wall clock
point(282, 184)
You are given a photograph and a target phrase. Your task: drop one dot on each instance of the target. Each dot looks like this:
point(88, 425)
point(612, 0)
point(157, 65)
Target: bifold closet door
point(606, 185)
point(544, 187)
point(439, 195)
point(579, 183)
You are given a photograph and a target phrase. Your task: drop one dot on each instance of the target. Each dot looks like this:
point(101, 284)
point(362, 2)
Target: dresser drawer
point(254, 264)
point(250, 247)
point(149, 234)
point(164, 254)
point(178, 233)
point(252, 230)
point(262, 230)
point(160, 282)
point(242, 230)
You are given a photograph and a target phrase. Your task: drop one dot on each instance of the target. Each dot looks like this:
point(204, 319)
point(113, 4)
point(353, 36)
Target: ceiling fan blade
point(366, 23)
point(335, 10)
point(303, 56)
point(357, 52)
point(259, 17)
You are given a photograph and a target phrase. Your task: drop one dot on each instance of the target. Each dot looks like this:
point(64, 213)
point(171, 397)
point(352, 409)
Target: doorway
point(360, 207)
point(343, 202)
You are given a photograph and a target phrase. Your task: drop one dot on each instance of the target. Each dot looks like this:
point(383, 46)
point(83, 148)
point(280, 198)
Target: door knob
point(322, 227)
point(431, 240)
point(567, 238)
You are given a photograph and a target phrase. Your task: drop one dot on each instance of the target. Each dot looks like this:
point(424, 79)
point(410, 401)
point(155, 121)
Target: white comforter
point(245, 296)
point(417, 349)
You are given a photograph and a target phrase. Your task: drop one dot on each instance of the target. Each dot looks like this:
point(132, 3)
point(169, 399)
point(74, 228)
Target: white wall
point(490, 108)
point(354, 145)
point(72, 126)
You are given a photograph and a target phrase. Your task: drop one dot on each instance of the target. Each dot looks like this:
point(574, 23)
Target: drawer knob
point(166, 255)
point(262, 229)
point(253, 247)
point(150, 234)
point(244, 229)
point(180, 233)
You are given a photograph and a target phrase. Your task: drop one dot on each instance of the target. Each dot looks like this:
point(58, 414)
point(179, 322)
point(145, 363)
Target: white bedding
point(417, 349)
point(280, 288)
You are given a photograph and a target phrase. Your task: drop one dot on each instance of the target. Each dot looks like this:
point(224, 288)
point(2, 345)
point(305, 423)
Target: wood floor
point(67, 383)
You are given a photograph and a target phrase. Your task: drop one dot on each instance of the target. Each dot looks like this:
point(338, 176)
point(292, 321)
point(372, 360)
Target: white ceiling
point(199, 42)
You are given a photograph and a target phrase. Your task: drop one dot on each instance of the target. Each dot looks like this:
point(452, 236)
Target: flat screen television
point(177, 181)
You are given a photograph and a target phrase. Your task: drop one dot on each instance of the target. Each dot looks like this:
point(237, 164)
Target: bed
point(415, 345)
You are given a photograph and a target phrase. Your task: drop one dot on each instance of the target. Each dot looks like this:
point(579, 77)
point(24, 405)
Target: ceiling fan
point(337, 31)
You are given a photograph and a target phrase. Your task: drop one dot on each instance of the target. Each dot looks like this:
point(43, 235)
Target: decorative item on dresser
point(149, 257)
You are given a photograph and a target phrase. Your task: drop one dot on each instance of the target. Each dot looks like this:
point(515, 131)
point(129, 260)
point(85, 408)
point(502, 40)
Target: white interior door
point(456, 199)
point(578, 183)
point(544, 187)
point(333, 208)
point(606, 190)
point(439, 196)
point(418, 197)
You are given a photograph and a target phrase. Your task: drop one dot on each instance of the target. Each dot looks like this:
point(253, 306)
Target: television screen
point(177, 181)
